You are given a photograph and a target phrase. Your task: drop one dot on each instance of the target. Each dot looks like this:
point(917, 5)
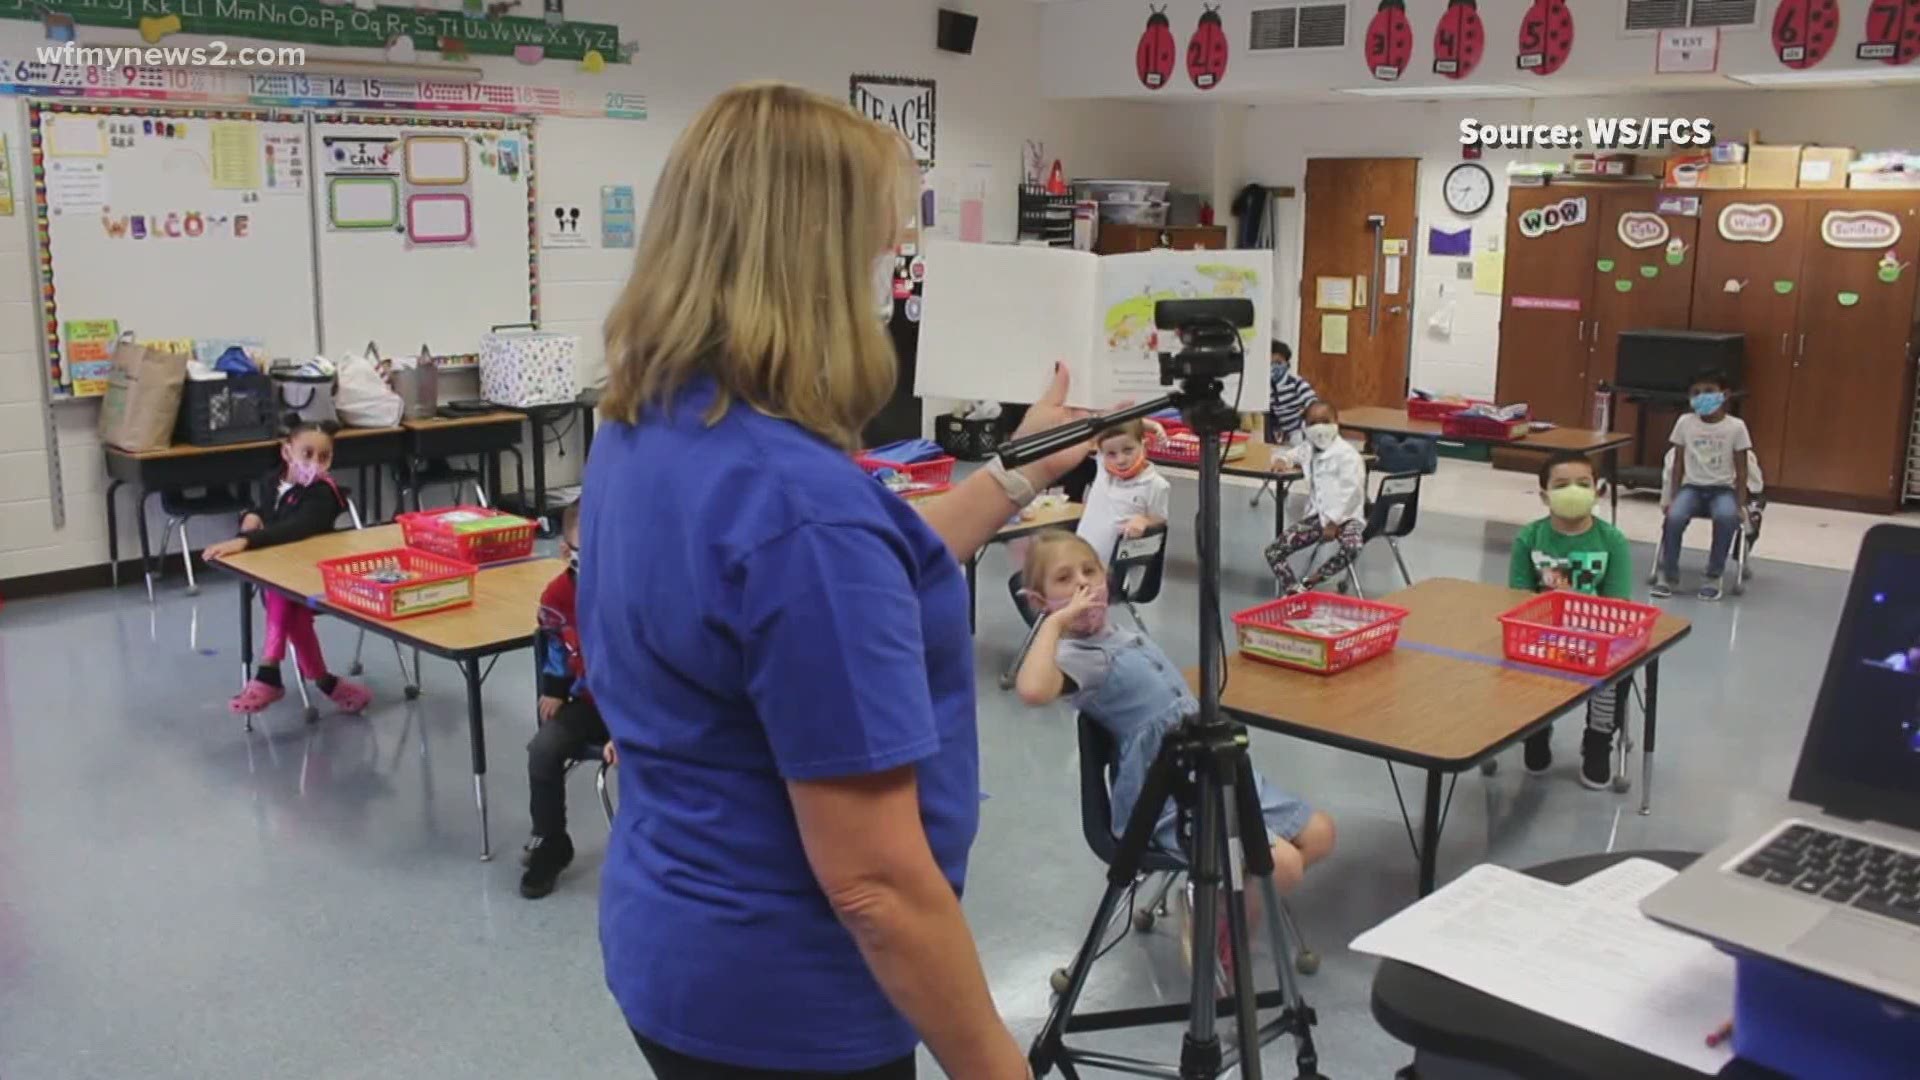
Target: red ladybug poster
point(1546, 36)
point(1389, 40)
point(1804, 30)
point(1459, 41)
point(1154, 59)
point(1893, 32)
point(1207, 52)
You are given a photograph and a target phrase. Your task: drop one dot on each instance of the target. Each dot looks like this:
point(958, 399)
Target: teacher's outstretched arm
point(968, 516)
point(869, 852)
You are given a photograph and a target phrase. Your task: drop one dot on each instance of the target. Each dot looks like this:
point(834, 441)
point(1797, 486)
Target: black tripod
point(1203, 764)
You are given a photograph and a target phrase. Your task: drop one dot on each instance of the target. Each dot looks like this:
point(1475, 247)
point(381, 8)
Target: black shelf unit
point(1046, 217)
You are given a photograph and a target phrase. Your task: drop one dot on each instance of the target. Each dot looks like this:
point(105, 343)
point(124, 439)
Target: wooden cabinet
point(1125, 239)
point(1829, 336)
point(1543, 317)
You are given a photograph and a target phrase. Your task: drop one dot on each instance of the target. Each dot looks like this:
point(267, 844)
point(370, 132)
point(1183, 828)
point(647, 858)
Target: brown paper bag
point(143, 397)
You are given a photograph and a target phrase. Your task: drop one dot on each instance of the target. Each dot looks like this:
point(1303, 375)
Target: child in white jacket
point(1336, 503)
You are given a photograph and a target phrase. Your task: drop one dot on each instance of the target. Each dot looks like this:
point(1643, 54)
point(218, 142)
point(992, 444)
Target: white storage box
point(519, 368)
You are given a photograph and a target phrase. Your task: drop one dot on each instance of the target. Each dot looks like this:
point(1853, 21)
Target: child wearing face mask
point(1573, 550)
point(1128, 496)
point(305, 503)
point(1336, 503)
point(570, 723)
point(1125, 682)
point(1708, 479)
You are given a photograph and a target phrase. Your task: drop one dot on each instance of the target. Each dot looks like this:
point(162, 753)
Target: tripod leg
point(1300, 1018)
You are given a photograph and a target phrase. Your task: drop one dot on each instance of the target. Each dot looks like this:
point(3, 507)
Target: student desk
point(186, 466)
point(1370, 420)
point(484, 435)
point(1438, 1016)
point(539, 418)
point(502, 619)
point(1065, 517)
point(1256, 464)
point(1445, 701)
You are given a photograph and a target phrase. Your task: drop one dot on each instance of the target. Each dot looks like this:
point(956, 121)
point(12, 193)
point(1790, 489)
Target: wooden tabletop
point(504, 611)
point(1064, 517)
point(181, 450)
point(1257, 462)
point(498, 416)
point(1420, 706)
point(1378, 421)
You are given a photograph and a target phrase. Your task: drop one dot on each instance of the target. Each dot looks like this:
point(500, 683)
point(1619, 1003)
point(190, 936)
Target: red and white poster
point(1153, 59)
point(1207, 50)
point(1546, 37)
point(1893, 32)
point(1389, 41)
point(1804, 31)
point(1460, 40)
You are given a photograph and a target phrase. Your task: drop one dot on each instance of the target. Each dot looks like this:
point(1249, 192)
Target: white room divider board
point(171, 224)
point(425, 231)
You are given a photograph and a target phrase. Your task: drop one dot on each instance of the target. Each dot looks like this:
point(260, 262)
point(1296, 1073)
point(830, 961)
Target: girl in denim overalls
point(1124, 682)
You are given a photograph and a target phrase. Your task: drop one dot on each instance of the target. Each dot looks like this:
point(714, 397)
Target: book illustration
point(1130, 292)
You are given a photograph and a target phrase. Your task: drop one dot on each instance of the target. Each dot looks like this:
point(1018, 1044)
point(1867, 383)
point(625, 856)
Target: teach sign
point(905, 105)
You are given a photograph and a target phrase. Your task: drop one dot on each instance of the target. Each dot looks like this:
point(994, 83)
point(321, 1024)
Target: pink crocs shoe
point(350, 696)
point(255, 697)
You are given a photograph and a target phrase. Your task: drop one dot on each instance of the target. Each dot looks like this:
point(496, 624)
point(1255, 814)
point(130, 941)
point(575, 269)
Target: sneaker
point(1662, 588)
point(1710, 589)
point(1539, 752)
point(1596, 759)
point(546, 857)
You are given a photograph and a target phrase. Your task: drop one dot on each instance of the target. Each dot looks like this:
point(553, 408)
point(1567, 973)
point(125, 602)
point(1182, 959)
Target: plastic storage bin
point(468, 534)
point(372, 584)
point(1435, 409)
point(1590, 635)
point(918, 479)
point(1354, 631)
point(1175, 450)
point(1482, 427)
point(221, 412)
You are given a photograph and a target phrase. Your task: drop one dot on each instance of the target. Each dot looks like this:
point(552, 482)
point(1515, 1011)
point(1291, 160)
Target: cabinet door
point(1543, 316)
point(1846, 423)
point(1644, 266)
point(1738, 285)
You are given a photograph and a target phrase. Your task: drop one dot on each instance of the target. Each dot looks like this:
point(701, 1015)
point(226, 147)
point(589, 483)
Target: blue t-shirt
point(758, 610)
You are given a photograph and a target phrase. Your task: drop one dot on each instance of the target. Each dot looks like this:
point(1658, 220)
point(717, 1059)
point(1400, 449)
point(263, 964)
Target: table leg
point(246, 639)
point(1430, 834)
point(586, 430)
point(146, 544)
point(539, 504)
point(477, 737)
point(113, 532)
point(1646, 736)
point(1280, 489)
point(491, 466)
point(973, 599)
point(1613, 482)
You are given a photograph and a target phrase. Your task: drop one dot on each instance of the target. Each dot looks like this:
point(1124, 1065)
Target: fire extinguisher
point(1603, 407)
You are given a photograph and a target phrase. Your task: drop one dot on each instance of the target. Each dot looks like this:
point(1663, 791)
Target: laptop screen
point(1862, 757)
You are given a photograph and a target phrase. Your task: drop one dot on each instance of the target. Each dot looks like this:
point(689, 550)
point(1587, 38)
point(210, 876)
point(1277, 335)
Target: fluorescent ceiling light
point(1849, 77)
point(1449, 90)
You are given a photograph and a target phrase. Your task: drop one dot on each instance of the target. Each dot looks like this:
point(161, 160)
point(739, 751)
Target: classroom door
point(1359, 230)
point(1544, 348)
point(1852, 388)
point(1644, 281)
point(1744, 283)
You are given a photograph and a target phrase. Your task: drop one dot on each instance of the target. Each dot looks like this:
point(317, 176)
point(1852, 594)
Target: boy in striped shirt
point(1287, 406)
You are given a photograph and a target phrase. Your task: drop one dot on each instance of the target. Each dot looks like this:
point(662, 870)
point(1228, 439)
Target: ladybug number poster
point(1459, 40)
point(1803, 31)
point(1207, 50)
point(1153, 60)
point(1893, 32)
point(1546, 36)
point(1389, 41)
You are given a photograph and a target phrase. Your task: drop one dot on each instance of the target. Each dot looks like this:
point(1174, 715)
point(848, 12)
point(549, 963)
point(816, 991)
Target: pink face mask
point(303, 473)
point(1090, 621)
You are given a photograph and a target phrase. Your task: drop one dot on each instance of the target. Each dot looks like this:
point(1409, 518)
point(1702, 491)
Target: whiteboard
point(151, 223)
point(457, 257)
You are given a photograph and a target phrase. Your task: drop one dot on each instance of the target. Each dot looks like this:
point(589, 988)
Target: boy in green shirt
point(1573, 550)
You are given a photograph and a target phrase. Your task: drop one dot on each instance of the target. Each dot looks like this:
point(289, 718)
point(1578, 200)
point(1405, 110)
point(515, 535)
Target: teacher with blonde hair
point(780, 645)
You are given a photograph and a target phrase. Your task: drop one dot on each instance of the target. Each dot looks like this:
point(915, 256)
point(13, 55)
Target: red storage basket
point(1571, 631)
point(1481, 427)
point(1433, 409)
point(924, 478)
point(1186, 451)
point(1267, 634)
point(438, 532)
point(436, 584)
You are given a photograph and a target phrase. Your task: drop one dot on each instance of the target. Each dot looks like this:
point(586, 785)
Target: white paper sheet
point(1582, 955)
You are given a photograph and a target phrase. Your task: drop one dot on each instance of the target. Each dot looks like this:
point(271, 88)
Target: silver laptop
point(1833, 884)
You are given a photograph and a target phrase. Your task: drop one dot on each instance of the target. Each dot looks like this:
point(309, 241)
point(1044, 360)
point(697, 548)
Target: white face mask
point(1323, 436)
point(883, 285)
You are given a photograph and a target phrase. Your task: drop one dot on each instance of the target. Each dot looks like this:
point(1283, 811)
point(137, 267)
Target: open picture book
point(997, 317)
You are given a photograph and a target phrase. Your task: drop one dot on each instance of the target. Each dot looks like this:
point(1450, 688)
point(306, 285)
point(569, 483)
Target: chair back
point(1396, 506)
point(1096, 802)
point(1138, 565)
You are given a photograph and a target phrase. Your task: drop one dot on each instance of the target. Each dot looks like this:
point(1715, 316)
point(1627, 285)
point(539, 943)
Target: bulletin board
point(171, 224)
point(425, 231)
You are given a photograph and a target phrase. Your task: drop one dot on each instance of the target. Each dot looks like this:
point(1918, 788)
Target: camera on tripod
point(1209, 330)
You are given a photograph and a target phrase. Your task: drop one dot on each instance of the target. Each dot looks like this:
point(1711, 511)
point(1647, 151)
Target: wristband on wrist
point(1017, 487)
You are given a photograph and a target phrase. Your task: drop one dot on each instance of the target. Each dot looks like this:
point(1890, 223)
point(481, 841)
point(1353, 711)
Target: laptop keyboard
point(1857, 873)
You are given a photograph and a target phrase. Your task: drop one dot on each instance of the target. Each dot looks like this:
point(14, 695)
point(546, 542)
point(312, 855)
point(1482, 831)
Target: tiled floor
point(179, 899)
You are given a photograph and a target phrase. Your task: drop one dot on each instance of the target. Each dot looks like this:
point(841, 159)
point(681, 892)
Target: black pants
point(668, 1065)
point(574, 729)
